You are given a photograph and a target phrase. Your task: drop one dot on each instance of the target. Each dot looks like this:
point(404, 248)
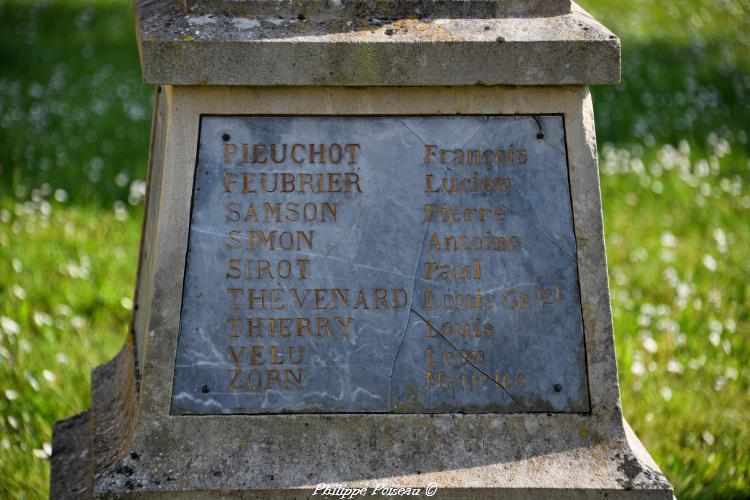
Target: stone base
point(287, 456)
point(596, 472)
point(72, 474)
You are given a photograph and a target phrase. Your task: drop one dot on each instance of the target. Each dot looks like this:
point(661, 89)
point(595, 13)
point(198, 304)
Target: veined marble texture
point(412, 264)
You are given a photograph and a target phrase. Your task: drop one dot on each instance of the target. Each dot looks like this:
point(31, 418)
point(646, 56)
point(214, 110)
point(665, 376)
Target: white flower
point(708, 438)
point(666, 393)
point(64, 310)
point(121, 213)
point(33, 382)
point(11, 395)
point(650, 345)
point(715, 326)
point(726, 347)
point(25, 345)
point(127, 303)
point(667, 256)
point(731, 325)
point(715, 339)
point(9, 326)
point(697, 363)
point(48, 376)
point(638, 368)
point(674, 366)
point(709, 262)
point(19, 292)
point(122, 178)
point(721, 240)
point(668, 240)
point(61, 195)
point(42, 319)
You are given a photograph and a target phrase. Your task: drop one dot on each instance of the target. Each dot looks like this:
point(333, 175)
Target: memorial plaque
point(414, 264)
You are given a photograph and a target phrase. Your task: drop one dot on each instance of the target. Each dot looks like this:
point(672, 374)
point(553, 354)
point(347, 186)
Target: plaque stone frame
point(129, 444)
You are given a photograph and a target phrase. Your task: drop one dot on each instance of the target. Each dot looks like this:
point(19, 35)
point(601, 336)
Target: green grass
point(74, 126)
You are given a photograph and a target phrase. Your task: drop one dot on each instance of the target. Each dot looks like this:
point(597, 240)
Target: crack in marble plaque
point(381, 264)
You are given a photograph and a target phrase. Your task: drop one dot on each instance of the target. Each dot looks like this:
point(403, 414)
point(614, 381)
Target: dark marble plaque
point(381, 264)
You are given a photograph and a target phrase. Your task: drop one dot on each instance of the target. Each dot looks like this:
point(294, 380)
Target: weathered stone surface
point(182, 49)
point(381, 264)
point(384, 9)
point(72, 460)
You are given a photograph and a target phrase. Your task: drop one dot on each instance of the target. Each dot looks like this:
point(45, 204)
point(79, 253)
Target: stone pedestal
point(164, 423)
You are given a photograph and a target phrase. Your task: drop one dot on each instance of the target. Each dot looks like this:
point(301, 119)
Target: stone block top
point(353, 43)
point(385, 9)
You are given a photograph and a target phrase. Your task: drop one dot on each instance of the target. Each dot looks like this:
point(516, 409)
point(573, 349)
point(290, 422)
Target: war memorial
point(372, 261)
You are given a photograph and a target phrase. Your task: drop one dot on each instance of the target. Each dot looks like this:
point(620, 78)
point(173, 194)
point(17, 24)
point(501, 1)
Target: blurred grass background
point(74, 128)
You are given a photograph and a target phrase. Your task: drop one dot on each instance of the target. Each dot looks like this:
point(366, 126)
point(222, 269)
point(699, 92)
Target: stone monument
point(372, 258)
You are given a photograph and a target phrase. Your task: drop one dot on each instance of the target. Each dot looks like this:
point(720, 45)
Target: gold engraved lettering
point(353, 153)
point(229, 179)
point(513, 299)
point(298, 153)
point(321, 153)
point(473, 184)
point(468, 329)
point(467, 301)
point(229, 150)
point(274, 158)
point(289, 182)
point(258, 380)
point(458, 215)
point(316, 327)
point(256, 352)
point(549, 295)
point(273, 240)
point(236, 356)
point(487, 242)
point(447, 272)
point(233, 241)
point(335, 153)
point(295, 158)
point(258, 269)
point(336, 298)
point(489, 157)
point(259, 153)
point(234, 383)
point(235, 293)
point(233, 325)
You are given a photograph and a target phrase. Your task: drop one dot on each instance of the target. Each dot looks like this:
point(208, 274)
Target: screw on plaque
point(540, 134)
point(205, 389)
point(225, 137)
point(558, 388)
